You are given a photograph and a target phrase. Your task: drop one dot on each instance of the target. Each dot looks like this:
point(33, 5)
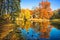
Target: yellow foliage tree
point(27, 14)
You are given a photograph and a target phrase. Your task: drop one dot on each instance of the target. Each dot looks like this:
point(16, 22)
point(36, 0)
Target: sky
point(30, 4)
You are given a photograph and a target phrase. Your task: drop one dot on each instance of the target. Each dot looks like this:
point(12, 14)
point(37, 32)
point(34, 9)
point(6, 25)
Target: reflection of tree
point(56, 24)
point(25, 24)
point(35, 26)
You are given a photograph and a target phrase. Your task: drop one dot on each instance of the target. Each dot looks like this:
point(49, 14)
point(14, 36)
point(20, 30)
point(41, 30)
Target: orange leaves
point(31, 12)
point(45, 10)
point(44, 26)
point(45, 13)
point(27, 25)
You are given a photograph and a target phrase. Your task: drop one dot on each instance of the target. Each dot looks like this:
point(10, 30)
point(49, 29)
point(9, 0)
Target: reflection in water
point(42, 27)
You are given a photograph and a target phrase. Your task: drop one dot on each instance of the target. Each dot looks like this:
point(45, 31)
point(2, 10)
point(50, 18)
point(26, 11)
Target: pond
point(33, 34)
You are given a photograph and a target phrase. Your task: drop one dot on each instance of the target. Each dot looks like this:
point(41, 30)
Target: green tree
point(11, 7)
point(55, 20)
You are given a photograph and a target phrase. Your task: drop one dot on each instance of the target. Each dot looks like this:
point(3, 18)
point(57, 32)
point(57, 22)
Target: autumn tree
point(45, 13)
